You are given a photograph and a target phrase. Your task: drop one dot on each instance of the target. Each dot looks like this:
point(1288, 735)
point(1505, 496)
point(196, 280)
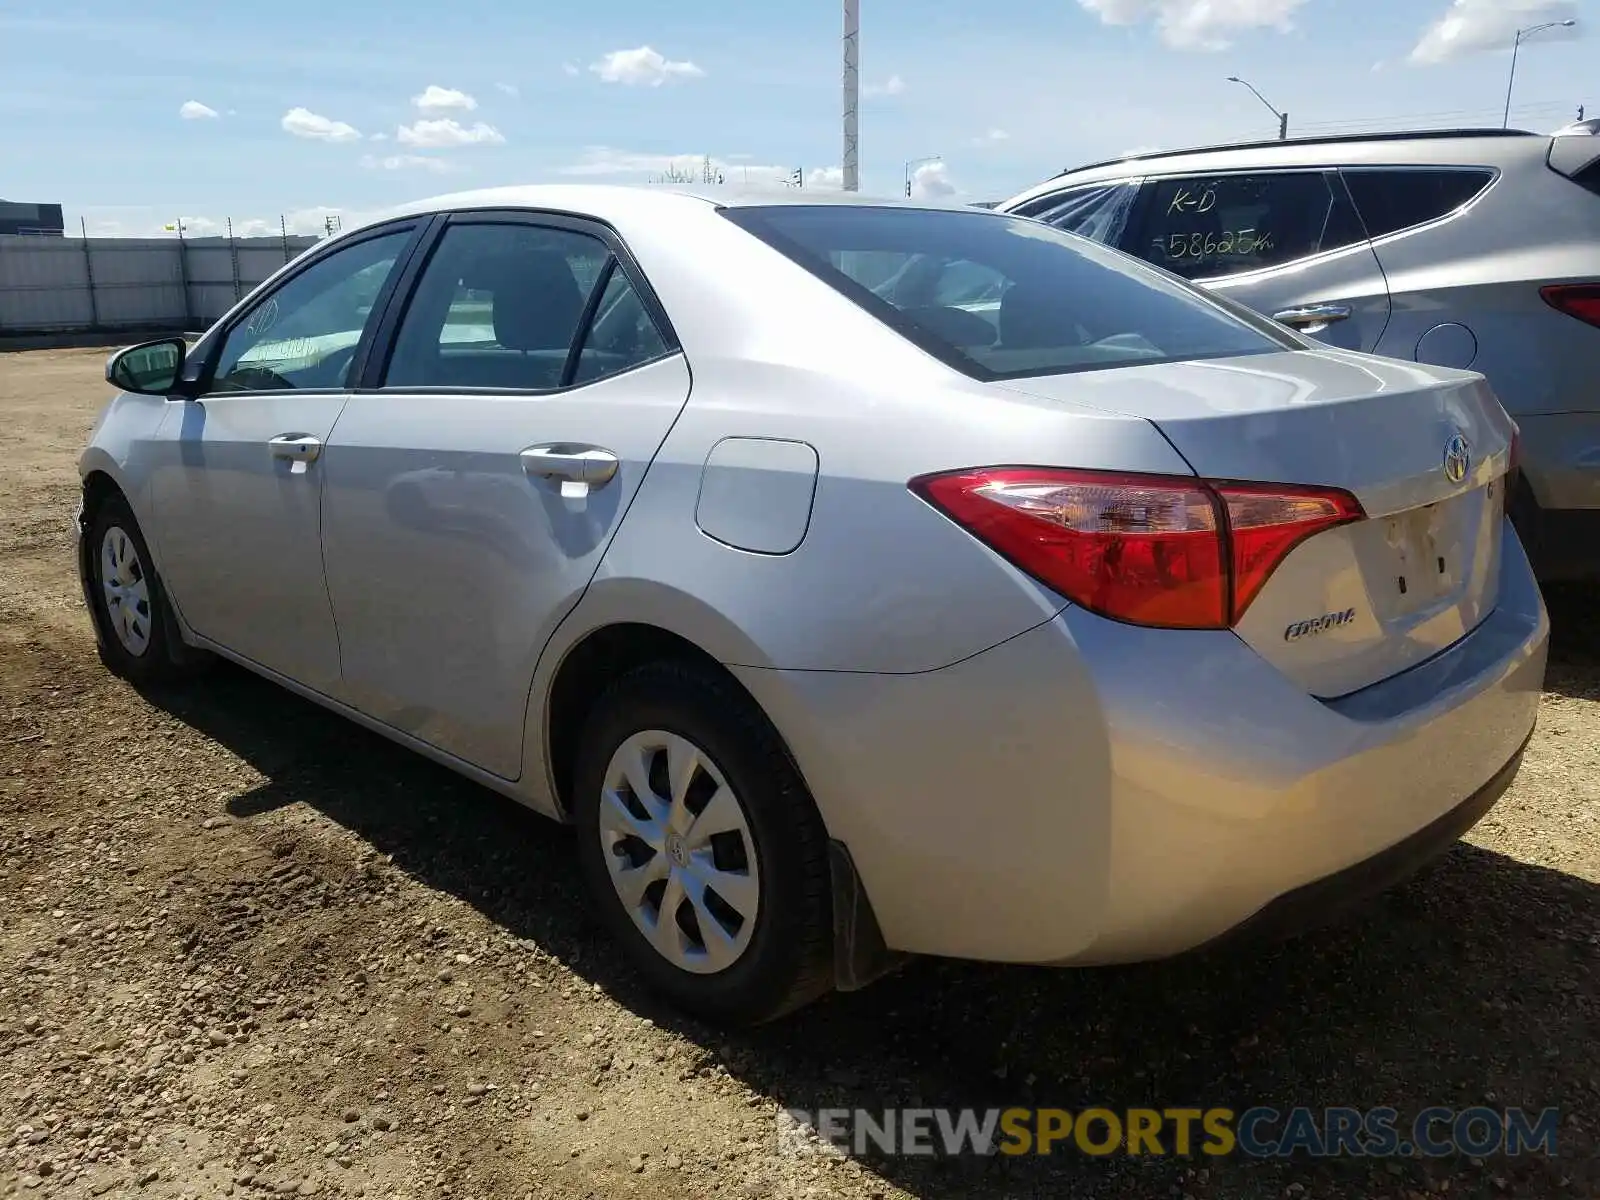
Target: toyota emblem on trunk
point(1457, 459)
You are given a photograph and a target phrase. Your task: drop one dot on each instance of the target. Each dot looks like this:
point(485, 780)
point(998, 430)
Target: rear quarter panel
point(881, 582)
point(1483, 269)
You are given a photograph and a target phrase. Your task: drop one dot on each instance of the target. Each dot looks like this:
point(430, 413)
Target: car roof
point(620, 202)
point(1456, 147)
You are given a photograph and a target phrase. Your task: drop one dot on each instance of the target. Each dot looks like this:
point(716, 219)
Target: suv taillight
point(1166, 551)
point(1581, 300)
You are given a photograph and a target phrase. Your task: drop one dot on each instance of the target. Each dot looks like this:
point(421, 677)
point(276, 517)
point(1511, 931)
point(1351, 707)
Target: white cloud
point(439, 99)
point(430, 135)
point(378, 137)
point(825, 179)
point(1472, 26)
point(891, 86)
point(1197, 24)
point(992, 137)
point(642, 66)
point(509, 89)
point(303, 123)
point(570, 70)
point(193, 110)
point(405, 162)
point(931, 181)
point(1137, 150)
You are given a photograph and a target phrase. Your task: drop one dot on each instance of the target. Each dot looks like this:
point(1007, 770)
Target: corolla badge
point(1316, 625)
point(1457, 459)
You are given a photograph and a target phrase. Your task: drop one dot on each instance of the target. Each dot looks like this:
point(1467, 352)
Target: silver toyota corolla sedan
point(1069, 615)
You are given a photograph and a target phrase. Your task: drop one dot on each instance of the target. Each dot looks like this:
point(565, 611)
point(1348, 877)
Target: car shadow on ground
point(1473, 985)
point(1574, 640)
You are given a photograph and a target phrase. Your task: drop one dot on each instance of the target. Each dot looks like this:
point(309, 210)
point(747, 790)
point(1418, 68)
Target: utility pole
point(852, 95)
point(1516, 44)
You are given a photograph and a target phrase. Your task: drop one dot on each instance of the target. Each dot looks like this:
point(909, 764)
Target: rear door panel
point(451, 555)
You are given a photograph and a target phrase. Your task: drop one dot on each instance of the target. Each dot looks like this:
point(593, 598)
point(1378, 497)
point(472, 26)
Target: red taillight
point(1155, 550)
point(1581, 300)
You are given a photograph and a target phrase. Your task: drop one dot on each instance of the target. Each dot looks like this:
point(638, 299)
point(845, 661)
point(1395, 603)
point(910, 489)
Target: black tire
point(163, 658)
point(788, 960)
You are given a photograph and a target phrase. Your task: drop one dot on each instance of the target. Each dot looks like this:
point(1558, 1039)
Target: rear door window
point(498, 306)
point(1401, 198)
point(1212, 226)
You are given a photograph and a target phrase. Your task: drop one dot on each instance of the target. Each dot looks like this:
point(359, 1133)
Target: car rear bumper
point(1090, 792)
point(1561, 459)
point(1562, 543)
point(1326, 899)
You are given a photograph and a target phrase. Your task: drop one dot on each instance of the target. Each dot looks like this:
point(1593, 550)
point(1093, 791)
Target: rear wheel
point(701, 847)
point(139, 636)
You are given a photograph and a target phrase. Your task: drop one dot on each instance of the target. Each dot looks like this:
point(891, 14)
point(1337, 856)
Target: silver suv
point(1476, 248)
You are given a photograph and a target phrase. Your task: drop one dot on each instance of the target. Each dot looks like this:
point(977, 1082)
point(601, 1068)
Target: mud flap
point(859, 953)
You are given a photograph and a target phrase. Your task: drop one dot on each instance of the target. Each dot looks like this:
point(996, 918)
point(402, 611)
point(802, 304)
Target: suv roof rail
point(1401, 135)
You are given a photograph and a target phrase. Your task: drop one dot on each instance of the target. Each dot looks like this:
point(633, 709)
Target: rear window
point(1000, 297)
point(1395, 199)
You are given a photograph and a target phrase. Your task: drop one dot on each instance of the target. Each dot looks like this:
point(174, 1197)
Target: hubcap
point(679, 850)
point(127, 590)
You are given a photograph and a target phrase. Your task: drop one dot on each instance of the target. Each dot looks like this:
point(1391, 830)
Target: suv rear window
point(1052, 303)
point(1402, 197)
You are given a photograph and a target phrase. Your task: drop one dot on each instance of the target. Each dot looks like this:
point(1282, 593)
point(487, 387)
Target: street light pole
point(1283, 117)
point(913, 164)
point(1516, 44)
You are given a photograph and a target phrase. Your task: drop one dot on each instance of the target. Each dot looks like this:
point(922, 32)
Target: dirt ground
point(247, 948)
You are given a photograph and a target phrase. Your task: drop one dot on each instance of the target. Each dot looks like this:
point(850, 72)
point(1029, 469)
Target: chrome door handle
point(578, 468)
point(1313, 317)
point(300, 449)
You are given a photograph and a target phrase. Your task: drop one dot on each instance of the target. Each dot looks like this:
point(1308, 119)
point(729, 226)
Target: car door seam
point(538, 662)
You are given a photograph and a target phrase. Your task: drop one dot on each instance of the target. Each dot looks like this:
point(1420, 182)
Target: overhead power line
point(1534, 112)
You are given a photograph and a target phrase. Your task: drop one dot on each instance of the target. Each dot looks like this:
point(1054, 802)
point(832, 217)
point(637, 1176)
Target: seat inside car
point(535, 303)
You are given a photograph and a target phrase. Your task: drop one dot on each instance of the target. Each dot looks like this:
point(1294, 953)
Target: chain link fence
point(51, 285)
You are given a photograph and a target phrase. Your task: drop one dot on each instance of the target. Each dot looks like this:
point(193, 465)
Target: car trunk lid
point(1424, 451)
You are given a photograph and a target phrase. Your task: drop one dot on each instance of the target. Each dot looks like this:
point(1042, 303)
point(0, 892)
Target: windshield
point(1001, 297)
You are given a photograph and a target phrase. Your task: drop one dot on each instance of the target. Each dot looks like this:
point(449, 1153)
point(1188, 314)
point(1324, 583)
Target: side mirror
point(149, 369)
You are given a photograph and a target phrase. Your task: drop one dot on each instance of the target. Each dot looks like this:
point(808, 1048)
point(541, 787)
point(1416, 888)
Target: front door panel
point(240, 528)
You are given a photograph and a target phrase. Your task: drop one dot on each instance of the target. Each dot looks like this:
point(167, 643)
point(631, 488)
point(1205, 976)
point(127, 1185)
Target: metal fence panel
point(43, 280)
point(58, 285)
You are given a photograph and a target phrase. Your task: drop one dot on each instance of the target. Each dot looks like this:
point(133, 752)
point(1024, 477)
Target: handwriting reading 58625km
point(1204, 245)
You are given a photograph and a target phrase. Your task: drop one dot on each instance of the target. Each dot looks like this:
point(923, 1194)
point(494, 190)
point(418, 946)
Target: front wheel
point(139, 639)
point(702, 848)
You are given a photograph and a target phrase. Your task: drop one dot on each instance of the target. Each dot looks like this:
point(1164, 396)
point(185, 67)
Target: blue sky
point(132, 114)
